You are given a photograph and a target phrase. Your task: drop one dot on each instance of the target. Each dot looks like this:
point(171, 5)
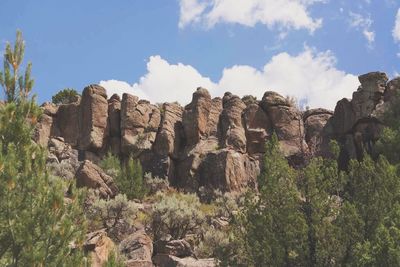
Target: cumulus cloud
point(363, 24)
point(310, 76)
point(283, 14)
point(163, 82)
point(396, 29)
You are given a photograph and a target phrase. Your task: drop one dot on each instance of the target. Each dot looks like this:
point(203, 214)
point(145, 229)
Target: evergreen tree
point(15, 86)
point(271, 230)
point(37, 226)
point(65, 96)
point(128, 176)
point(374, 189)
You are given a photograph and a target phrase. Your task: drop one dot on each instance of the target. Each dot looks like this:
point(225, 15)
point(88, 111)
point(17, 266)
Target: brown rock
point(214, 116)
point(169, 138)
point(92, 176)
point(68, 122)
point(392, 89)
point(114, 124)
point(195, 116)
point(232, 129)
point(228, 170)
point(179, 248)
point(271, 99)
point(314, 123)
point(93, 118)
point(164, 260)
point(99, 247)
point(138, 249)
point(258, 128)
point(139, 124)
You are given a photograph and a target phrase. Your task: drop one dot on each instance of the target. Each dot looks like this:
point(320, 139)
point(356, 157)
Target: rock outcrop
point(92, 176)
point(213, 143)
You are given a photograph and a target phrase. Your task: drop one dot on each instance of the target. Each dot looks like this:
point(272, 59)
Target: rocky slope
point(211, 142)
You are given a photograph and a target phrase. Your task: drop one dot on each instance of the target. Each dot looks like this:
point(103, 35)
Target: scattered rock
point(92, 176)
point(138, 249)
point(164, 260)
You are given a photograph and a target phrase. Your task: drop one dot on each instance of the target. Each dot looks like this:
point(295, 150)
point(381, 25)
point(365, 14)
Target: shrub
point(65, 96)
point(176, 214)
point(227, 204)
point(155, 184)
point(64, 170)
point(212, 238)
point(114, 215)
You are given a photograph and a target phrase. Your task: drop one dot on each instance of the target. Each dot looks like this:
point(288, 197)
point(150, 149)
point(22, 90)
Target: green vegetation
point(128, 176)
point(37, 228)
point(177, 215)
point(65, 96)
point(317, 216)
point(15, 86)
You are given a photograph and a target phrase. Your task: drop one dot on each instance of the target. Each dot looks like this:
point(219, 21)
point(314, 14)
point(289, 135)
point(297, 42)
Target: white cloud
point(364, 25)
point(163, 82)
point(309, 76)
point(283, 14)
point(396, 29)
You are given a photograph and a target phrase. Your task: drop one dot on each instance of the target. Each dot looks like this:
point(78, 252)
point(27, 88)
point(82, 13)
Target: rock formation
point(212, 143)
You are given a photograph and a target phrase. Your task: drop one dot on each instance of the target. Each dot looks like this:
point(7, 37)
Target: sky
point(162, 50)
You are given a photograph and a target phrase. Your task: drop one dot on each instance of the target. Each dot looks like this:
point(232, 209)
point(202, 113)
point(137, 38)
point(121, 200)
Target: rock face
point(92, 176)
point(195, 116)
point(137, 249)
point(139, 124)
point(356, 123)
point(211, 143)
point(93, 118)
point(287, 123)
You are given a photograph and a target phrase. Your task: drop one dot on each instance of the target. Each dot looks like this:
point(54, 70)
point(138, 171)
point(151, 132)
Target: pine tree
point(65, 96)
point(271, 230)
point(15, 86)
point(37, 226)
point(131, 180)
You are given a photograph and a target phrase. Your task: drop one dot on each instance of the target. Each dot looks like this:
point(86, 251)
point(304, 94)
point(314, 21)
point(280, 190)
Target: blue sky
point(163, 49)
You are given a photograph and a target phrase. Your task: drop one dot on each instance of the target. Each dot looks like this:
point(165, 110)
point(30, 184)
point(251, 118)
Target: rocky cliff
point(215, 143)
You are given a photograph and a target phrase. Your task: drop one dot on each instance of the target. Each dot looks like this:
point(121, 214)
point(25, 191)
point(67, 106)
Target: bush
point(115, 215)
point(65, 96)
point(212, 238)
point(64, 170)
point(155, 184)
point(176, 214)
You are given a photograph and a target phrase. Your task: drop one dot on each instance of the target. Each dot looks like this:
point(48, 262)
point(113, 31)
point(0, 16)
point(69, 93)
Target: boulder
point(179, 248)
point(99, 247)
point(164, 260)
point(195, 116)
point(92, 176)
point(93, 118)
point(137, 249)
